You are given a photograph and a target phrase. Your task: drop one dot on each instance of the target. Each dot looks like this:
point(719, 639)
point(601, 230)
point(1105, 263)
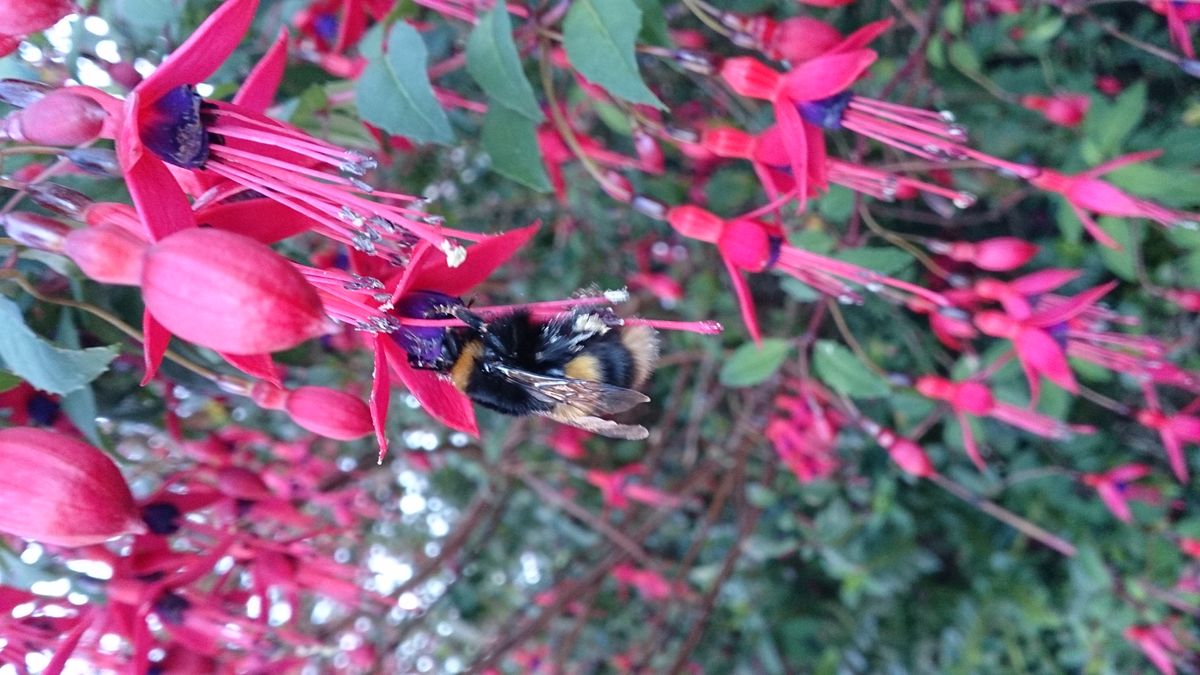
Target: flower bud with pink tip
point(107, 253)
point(1002, 254)
point(321, 410)
point(228, 292)
point(59, 118)
point(35, 231)
point(60, 491)
point(1065, 110)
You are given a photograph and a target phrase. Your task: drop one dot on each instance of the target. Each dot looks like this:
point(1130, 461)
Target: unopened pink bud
point(650, 156)
point(1001, 254)
point(1066, 110)
point(35, 231)
point(911, 458)
point(751, 78)
point(241, 483)
point(60, 491)
point(801, 38)
point(728, 142)
point(59, 118)
point(329, 413)
point(694, 222)
point(21, 17)
point(107, 253)
point(228, 292)
point(1186, 298)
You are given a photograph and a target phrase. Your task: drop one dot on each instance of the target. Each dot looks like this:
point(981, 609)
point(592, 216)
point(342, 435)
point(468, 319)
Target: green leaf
point(885, 261)
point(41, 364)
point(654, 24)
point(394, 93)
point(1108, 124)
point(511, 140)
point(493, 61)
point(962, 56)
point(839, 368)
point(599, 36)
point(750, 365)
point(8, 381)
point(1123, 263)
point(79, 405)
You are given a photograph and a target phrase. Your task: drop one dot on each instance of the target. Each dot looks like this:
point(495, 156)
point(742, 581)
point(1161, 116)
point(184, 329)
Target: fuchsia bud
point(751, 78)
point(801, 38)
point(696, 223)
point(323, 411)
point(20, 17)
point(228, 292)
point(1066, 110)
point(60, 491)
point(1186, 298)
point(1190, 546)
point(909, 456)
point(242, 483)
point(1001, 254)
point(729, 142)
point(58, 118)
point(107, 253)
point(35, 231)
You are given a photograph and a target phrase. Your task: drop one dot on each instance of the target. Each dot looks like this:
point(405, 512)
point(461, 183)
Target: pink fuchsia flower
point(618, 488)
point(1037, 350)
point(1159, 644)
point(1087, 194)
point(814, 97)
point(1016, 295)
point(751, 245)
point(228, 292)
point(803, 431)
point(1114, 488)
point(60, 491)
point(163, 122)
point(1001, 254)
point(969, 397)
point(430, 276)
point(1174, 431)
point(1065, 110)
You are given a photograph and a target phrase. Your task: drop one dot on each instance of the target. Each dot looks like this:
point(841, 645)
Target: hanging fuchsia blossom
point(751, 245)
point(1115, 490)
point(57, 490)
point(1037, 349)
point(975, 398)
point(1087, 194)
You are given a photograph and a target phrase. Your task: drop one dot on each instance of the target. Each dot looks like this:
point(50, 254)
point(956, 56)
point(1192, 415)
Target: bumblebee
point(577, 368)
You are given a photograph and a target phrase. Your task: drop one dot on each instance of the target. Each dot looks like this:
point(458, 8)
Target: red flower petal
point(154, 345)
point(482, 259)
point(159, 199)
point(259, 366)
point(264, 220)
point(825, 76)
point(202, 53)
point(258, 89)
point(381, 383)
point(745, 301)
point(435, 394)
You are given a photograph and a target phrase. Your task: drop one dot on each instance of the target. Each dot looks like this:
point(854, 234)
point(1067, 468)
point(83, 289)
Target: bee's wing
point(587, 397)
point(596, 425)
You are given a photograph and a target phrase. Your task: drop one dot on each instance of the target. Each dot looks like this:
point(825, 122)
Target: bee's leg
point(473, 321)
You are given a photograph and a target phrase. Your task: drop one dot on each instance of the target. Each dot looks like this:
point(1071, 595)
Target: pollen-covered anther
point(456, 254)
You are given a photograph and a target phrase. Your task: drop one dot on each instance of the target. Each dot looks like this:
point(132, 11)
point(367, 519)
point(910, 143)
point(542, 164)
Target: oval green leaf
point(750, 364)
point(394, 92)
point(839, 368)
point(599, 36)
point(511, 141)
point(493, 61)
